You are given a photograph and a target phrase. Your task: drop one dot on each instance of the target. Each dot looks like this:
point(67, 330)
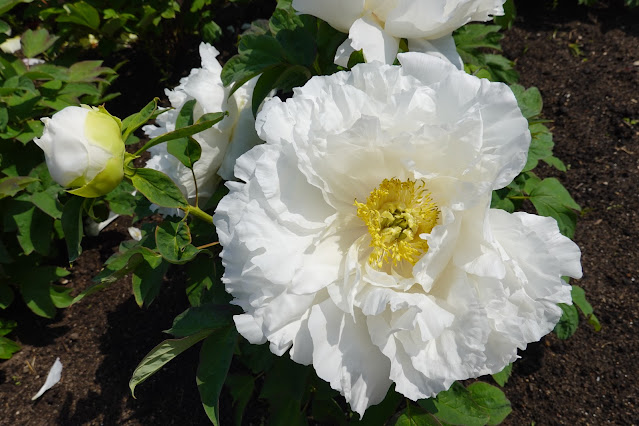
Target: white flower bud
point(84, 149)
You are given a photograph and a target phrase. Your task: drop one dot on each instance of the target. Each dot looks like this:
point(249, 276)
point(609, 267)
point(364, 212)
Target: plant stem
point(199, 213)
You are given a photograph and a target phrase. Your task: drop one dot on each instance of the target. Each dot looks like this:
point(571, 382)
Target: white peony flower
point(361, 238)
point(83, 148)
point(221, 144)
point(377, 26)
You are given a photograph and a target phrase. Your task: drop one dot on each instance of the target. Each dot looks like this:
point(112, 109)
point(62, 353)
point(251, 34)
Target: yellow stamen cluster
point(396, 214)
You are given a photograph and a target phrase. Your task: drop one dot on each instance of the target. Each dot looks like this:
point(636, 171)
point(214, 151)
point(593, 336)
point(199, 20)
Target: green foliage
point(478, 404)
point(569, 321)
point(502, 377)
point(286, 54)
point(474, 43)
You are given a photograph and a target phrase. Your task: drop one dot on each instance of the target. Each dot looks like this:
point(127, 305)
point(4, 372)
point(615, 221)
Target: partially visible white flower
point(361, 238)
point(83, 148)
point(377, 26)
point(32, 61)
point(135, 233)
point(11, 45)
point(221, 144)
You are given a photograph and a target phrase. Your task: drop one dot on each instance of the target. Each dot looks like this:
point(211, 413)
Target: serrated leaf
point(215, 360)
point(158, 188)
point(492, 400)
point(502, 377)
point(568, 322)
point(579, 299)
point(36, 42)
point(160, 355)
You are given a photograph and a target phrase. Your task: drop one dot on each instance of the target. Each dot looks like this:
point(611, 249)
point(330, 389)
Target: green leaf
point(36, 42)
point(502, 377)
point(121, 200)
point(7, 326)
point(284, 387)
point(550, 198)
point(413, 415)
point(47, 201)
point(215, 359)
point(7, 5)
point(282, 77)
point(541, 146)
point(173, 240)
point(205, 317)
point(568, 322)
point(508, 18)
point(61, 296)
point(34, 227)
point(160, 355)
point(35, 288)
point(158, 188)
point(529, 100)
point(10, 186)
point(81, 13)
point(456, 406)
point(579, 299)
point(211, 32)
point(204, 122)
point(121, 264)
point(72, 226)
point(137, 120)
point(357, 57)
point(87, 72)
point(147, 278)
point(8, 348)
point(241, 387)
point(186, 149)
point(6, 295)
point(255, 54)
point(492, 400)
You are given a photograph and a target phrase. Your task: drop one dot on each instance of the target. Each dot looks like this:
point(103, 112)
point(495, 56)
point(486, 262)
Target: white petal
point(340, 14)
point(443, 47)
point(377, 45)
point(344, 356)
point(52, 378)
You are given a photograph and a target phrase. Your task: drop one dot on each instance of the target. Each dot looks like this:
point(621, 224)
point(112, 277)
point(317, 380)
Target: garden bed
point(586, 64)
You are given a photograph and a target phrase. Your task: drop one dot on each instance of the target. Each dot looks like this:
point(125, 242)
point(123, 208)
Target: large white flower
point(377, 26)
point(361, 238)
point(221, 144)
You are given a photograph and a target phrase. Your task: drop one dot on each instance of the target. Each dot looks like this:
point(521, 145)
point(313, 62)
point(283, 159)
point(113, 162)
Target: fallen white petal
point(54, 377)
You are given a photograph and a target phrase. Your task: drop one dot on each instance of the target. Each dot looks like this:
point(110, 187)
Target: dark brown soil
point(586, 64)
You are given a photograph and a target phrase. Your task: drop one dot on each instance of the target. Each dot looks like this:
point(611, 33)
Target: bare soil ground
point(586, 64)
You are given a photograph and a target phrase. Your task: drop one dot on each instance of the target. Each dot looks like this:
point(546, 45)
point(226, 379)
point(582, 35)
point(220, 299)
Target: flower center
point(396, 214)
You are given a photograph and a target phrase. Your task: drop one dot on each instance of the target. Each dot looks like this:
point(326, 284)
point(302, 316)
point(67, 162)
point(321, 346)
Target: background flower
point(377, 26)
point(362, 242)
point(221, 144)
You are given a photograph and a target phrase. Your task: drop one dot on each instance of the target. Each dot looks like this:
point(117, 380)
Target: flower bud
point(83, 148)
